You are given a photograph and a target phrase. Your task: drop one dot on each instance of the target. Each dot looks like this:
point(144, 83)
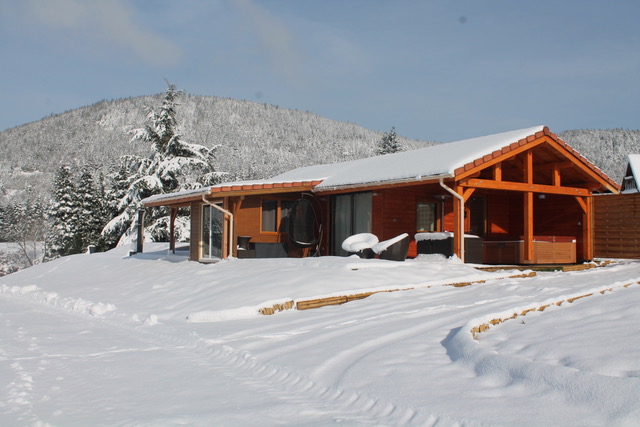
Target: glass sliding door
point(212, 232)
point(351, 215)
point(361, 213)
point(341, 224)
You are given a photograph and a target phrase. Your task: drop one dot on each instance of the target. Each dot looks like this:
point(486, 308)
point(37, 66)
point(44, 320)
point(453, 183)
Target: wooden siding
point(394, 211)
point(617, 226)
point(248, 222)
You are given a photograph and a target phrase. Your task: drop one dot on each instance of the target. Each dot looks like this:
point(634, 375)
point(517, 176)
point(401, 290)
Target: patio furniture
point(395, 249)
point(360, 244)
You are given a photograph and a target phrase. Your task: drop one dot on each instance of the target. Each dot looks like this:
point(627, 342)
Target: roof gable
point(549, 150)
point(630, 179)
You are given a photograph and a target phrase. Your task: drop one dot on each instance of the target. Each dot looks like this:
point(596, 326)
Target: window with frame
point(352, 214)
point(275, 215)
point(426, 216)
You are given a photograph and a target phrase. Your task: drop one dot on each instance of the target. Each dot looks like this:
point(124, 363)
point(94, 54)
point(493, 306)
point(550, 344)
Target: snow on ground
point(152, 339)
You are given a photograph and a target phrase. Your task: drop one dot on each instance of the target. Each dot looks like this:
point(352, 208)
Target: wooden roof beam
point(518, 186)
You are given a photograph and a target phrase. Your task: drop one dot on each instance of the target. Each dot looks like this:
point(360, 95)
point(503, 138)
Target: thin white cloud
point(107, 21)
point(277, 39)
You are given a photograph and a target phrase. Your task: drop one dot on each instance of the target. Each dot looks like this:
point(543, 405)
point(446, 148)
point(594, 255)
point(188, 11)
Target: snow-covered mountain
point(255, 140)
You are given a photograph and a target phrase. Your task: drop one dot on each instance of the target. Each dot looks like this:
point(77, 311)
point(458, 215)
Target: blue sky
point(436, 70)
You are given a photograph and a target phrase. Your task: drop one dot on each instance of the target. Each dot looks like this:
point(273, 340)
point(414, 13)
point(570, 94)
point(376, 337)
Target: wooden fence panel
point(617, 226)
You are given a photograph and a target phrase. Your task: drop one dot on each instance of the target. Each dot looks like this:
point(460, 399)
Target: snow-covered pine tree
point(119, 183)
point(90, 212)
point(389, 143)
point(63, 238)
point(173, 165)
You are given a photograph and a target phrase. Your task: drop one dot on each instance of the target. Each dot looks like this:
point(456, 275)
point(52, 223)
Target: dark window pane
point(269, 215)
point(285, 210)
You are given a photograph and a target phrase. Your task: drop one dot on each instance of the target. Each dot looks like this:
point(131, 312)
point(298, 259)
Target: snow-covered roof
point(429, 163)
point(420, 164)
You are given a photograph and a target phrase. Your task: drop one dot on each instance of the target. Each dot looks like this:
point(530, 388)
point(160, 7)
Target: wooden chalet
point(525, 196)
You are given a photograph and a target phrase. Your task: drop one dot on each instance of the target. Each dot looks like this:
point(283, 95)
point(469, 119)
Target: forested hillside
point(255, 140)
point(607, 148)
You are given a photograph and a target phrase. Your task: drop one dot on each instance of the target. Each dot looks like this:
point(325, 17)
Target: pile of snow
point(159, 340)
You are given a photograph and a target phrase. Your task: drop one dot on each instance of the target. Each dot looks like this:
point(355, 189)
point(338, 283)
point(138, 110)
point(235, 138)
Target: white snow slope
point(152, 339)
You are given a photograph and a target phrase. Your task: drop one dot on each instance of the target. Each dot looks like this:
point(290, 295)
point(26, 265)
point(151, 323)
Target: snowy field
point(152, 339)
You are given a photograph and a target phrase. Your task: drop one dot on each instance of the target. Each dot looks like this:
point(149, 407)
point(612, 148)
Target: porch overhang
point(185, 198)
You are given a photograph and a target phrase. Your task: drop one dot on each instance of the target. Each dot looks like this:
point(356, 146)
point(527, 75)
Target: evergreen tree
point(90, 212)
point(119, 183)
point(173, 165)
point(62, 213)
point(389, 143)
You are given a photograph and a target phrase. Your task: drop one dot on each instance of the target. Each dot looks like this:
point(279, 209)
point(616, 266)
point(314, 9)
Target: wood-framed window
point(275, 215)
point(426, 216)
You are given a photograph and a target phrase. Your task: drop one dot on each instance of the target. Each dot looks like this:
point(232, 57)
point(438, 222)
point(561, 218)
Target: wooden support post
point(557, 182)
point(236, 204)
point(528, 168)
point(528, 226)
point(528, 209)
point(458, 224)
point(172, 229)
point(497, 172)
point(586, 204)
point(227, 230)
point(587, 230)
point(140, 237)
